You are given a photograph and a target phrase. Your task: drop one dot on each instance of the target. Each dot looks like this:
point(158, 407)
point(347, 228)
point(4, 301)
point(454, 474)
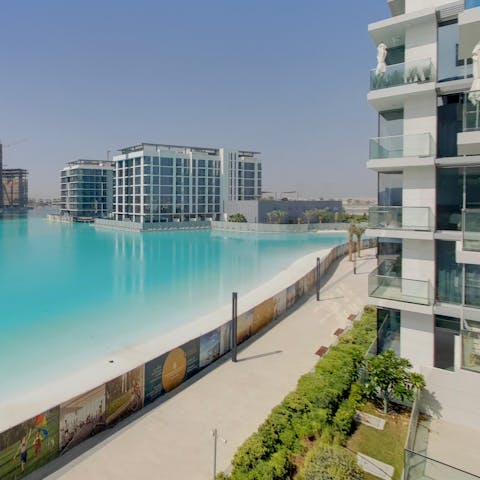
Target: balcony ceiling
point(392, 30)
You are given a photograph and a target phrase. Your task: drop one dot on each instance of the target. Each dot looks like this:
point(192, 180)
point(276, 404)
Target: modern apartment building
point(164, 183)
point(86, 189)
point(426, 91)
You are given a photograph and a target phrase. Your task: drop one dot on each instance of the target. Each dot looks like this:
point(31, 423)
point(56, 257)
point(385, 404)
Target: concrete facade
point(435, 292)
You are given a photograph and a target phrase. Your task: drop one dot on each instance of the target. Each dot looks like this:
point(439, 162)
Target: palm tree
point(358, 231)
point(351, 233)
point(310, 215)
point(277, 216)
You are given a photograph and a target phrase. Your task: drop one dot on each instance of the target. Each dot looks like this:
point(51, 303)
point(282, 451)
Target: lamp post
point(215, 436)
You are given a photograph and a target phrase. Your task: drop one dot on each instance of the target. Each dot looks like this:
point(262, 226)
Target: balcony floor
point(448, 443)
point(395, 293)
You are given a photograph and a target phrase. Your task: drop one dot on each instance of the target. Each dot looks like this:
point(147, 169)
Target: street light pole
point(215, 440)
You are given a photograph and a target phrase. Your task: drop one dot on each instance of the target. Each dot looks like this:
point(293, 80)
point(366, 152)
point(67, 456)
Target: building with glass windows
point(86, 189)
point(165, 183)
point(426, 90)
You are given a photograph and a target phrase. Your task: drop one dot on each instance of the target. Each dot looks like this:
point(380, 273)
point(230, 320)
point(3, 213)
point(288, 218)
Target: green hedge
point(323, 404)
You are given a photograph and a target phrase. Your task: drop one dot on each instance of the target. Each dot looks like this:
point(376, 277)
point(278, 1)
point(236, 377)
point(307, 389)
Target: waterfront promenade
point(173, 439)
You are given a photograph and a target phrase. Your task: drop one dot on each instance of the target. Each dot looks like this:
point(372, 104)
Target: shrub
point(324, 462)
point(237, 217)
point(317, 407)
point(343, 420)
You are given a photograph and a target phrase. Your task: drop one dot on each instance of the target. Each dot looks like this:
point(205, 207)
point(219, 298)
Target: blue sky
point(287, 78)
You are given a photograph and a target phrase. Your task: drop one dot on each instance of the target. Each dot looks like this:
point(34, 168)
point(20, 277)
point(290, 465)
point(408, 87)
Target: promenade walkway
point(173, 440)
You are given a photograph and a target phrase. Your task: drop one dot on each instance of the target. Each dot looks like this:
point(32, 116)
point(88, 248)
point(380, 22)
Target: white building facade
point(427, 157)
point(164, 183)
point(86, 189)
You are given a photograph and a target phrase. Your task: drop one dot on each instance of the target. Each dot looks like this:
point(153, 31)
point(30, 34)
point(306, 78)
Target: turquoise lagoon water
point(70, 293)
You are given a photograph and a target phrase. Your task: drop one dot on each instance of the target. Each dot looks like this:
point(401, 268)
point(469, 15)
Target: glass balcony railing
point(418, 466)
point(400, 289)
point(471, 111)
point(401, 218)
point(399, 146)
point(471, 230)
point(414, 71)
point(472, 3)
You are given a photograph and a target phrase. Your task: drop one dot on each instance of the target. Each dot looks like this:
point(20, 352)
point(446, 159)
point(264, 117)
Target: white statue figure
point(474, 95)
point(381, 56)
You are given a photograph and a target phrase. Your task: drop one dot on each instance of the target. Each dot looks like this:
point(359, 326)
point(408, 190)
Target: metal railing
point(471, 111)
point(398, 146)
point(413, 71)
point(471, 229)
point(399, 289)
point(401, 218)
point(418, 466)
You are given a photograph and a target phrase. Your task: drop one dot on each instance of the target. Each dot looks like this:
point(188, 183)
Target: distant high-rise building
point(86, 189)
point(14, 189)
point(163, 183)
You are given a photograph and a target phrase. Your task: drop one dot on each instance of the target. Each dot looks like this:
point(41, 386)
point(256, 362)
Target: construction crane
point(1, 166)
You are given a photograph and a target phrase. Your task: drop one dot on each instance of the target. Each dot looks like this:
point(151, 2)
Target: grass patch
point(385, 445)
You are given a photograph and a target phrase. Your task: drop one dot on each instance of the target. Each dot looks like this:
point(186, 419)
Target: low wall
point(153, 227)
point(60, 428)
point(277, 228)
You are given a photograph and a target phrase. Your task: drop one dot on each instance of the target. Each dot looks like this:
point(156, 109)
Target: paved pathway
point(173, 440)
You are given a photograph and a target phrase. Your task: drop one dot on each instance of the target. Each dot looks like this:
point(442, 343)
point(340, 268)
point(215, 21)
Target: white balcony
point(468, 249)
point(400, 293)
point(389, 90)
point(416, 223)
point(401, 151)
point(469, 140)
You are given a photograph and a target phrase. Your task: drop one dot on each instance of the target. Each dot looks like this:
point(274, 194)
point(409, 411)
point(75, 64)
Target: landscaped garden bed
point(316, 423)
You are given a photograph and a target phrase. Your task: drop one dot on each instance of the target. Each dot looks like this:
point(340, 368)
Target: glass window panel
point(449, 273)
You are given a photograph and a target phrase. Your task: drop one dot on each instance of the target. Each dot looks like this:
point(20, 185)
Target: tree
point(358, 231)
point(237, 217)
point(277, 216)
point(325, 462)
point(310, 215)
point(325, 216)
point(389, 377)
point(351, 233)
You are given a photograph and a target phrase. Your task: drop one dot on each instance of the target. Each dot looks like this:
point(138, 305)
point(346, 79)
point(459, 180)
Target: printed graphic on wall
point(291, 296)
point(244, 326)
point(209, 347)
point(168, 371)
point(310, 280)
point(280, 303)
point(28, 446)
point(82, 417)
point(225, 338)
point(263, 315)
point(300, 288)
point(124, 395)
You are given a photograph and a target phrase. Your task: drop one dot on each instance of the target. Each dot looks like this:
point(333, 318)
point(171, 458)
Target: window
point(446, 328)
point(390, 186)
point(449, 273)
point(449, 66)
point(388, 330)
point(390, 257)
